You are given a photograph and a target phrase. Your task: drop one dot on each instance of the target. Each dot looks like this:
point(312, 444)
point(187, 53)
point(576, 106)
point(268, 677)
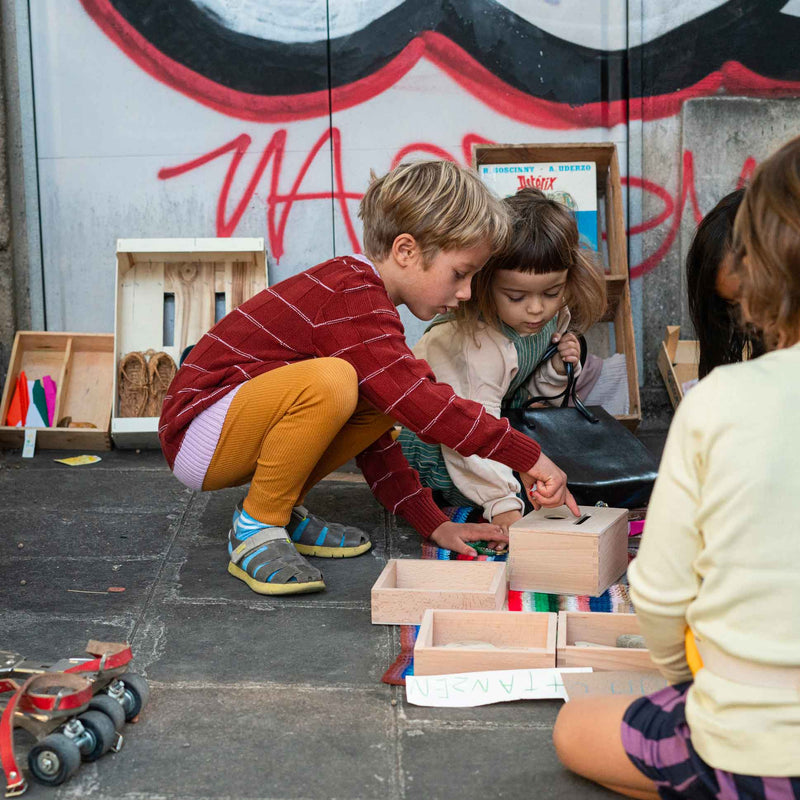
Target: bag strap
point(568, 391)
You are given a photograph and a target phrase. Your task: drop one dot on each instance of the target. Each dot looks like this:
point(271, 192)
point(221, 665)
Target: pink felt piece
point(635, 527)
point(50, 396)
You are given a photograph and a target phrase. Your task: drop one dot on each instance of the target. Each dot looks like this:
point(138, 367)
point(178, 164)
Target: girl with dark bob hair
point(713, 290)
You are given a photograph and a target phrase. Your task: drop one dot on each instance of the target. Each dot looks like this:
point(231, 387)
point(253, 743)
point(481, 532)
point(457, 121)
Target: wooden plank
point(452, 641)
point(88, 393)
point(139, 321)
point(192, 283)
point(600, 153)
point(615, 221)
point(175, 249)
point(62, 381)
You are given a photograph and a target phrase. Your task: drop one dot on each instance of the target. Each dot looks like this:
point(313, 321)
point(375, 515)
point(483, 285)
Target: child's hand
point(454, 536)
point(546, 485)
point(506, 519)
point(569, 349)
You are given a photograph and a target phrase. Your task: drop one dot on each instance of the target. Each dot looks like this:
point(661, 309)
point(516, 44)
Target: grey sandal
point(268, 563)
point(313, 536)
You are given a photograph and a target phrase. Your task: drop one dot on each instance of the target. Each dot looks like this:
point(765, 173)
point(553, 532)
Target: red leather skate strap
point(109, 655)
point(74, 692)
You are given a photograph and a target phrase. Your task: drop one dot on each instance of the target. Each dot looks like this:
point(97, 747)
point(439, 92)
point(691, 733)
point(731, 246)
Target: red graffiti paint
point(273, 152)
point(226, 224)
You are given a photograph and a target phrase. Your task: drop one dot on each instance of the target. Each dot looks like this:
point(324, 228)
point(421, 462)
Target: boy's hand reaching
point(454, 536)
point(546, 485)
point(569, 349)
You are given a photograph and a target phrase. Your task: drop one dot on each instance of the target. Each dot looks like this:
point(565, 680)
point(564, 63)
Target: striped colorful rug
point(614, 600)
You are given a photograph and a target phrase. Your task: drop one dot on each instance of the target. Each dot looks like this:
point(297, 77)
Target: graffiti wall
point(246, 118)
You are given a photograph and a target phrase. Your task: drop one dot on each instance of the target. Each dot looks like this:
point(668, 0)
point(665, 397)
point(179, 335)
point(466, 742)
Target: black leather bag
point(603, 460)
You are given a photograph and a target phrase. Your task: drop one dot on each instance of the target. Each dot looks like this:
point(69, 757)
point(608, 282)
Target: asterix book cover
point(573, 183)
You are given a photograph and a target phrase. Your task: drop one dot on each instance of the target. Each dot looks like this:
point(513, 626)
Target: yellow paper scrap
point(78, 461)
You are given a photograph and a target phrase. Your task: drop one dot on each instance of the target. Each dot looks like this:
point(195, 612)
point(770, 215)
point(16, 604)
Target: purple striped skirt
point(657, 740)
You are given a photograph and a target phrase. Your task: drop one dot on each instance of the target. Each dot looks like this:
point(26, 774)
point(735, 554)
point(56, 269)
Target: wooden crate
point(407, 587)
point(81, 365)
point(491, 640)
point(602, 629)
point(677, 362)
point(191, 281)
point(551, 550)
point(615, 255)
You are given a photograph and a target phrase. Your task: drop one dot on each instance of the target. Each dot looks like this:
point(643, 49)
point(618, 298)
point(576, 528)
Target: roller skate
point(74, 707)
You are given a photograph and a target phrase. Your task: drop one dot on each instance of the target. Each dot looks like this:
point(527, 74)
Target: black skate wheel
point(101, 734)
point(137, 693)
point(110, 707)
point(54, 759)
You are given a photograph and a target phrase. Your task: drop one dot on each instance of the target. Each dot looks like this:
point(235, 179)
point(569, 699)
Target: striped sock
point(244, 526)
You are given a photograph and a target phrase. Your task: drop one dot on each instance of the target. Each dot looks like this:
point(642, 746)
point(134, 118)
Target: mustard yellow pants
point(287, 429)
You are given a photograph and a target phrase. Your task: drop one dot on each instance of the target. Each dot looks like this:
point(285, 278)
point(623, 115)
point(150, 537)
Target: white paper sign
point(29, 444)
point(469, 689)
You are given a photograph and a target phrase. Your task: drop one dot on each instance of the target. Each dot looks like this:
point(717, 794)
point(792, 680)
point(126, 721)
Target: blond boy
point(316, 370)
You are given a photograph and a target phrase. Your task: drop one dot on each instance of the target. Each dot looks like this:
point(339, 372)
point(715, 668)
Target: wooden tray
point(603, 629)
point(81, 364)
point(495, 639)
point(408, 587)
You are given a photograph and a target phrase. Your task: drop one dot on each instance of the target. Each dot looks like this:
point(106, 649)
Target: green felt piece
point(40, 401)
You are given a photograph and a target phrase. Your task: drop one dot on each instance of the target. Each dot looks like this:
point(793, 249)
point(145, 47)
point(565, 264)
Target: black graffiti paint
point(751, 32)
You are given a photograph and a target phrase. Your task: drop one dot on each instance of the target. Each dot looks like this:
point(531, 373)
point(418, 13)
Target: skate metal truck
point(74, 707)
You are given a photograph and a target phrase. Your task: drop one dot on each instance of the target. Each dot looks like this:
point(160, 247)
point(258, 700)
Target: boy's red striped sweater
point(341, 309)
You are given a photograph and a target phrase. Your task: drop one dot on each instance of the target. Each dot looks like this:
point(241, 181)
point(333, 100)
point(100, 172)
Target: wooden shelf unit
point(611, 220)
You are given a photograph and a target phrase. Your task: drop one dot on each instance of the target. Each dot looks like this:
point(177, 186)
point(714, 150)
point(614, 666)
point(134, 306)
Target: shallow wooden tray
point(490, 640)
point(603, 629)
point(408, 587)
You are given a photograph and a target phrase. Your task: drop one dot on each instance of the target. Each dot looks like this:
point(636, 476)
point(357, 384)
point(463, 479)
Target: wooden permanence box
point(600, 629)
point(473, 641)
point(551, 550)
point(81, 364)
point(677, 362)
point(611, 220)
point(408, 587)
point(169, 293)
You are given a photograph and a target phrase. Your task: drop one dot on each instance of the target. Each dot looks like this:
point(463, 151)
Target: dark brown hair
point(722, 336)
point(544, 239)
point(767, 248)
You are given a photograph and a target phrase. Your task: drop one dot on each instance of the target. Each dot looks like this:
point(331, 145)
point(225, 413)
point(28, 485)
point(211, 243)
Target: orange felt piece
point(18, 408)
